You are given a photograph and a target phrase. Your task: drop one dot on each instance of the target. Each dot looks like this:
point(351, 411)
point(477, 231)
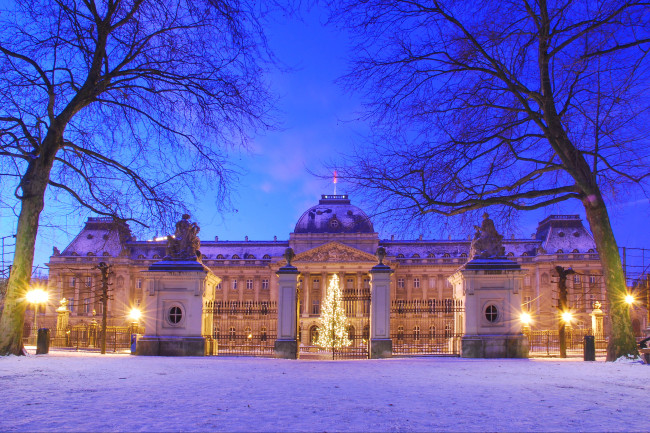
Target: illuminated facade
point(333, 237)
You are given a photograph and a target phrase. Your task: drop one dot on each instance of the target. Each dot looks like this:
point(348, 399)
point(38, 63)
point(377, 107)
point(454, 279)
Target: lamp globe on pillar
point(36, 296)
point(525, 321)
point(135, 314)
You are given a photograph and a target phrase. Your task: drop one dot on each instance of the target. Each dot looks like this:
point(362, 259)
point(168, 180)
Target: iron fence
point(247, 328)
point(87, 337)
point(547, 342)
point(426, 326)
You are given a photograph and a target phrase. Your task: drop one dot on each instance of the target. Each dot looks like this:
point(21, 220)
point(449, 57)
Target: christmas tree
point(333, 333)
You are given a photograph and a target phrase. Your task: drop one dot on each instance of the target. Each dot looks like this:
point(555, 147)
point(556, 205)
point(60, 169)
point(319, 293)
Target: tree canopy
point(516, 104)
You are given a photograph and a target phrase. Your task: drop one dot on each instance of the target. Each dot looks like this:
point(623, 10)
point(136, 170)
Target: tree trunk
point(622, 341)
point(33, 185)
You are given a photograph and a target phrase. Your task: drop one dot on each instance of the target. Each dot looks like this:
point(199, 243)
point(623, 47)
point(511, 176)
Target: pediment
point(334, 252)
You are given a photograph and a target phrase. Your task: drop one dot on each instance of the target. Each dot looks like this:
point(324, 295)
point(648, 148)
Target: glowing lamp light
point(37, 296)
point(567, 317)
point(250, 336)
point(135, 314)
point(629, 299)
point(525, 318)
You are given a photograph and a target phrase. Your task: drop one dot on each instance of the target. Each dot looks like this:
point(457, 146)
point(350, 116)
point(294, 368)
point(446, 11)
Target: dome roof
point(334, 214)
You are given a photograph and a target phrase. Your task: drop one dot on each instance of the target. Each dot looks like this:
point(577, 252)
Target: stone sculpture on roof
point(185, 244)
point(487, 242)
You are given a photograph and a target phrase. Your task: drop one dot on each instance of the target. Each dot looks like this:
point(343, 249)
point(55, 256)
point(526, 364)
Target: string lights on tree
point(333, 322)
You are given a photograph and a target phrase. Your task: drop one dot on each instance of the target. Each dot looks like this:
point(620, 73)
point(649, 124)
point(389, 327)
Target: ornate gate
point(426, 327)
point(356, 303)
point(245, 328)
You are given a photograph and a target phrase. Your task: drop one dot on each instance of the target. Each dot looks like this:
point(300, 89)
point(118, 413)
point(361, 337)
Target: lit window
point(265, 284)
point(315, 307)
point(416, 283)
point(249, 284)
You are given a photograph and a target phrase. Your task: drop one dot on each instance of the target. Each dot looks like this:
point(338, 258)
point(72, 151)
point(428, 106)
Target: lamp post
point(135, 314)
point(36, 297)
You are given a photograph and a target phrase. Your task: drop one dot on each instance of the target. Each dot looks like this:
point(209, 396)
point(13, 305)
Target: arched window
point(156, 256)
point(266, 257)
point(232, 334)
point(140, 256)
point(263, 333)
point(591, 250)
point(400, 256)
point(416, 256)
point(463, 255)
point(106, 254)
point(431, 255)
point(219, 256)
point(448, 330)
point(432, 332)
point(510, 254)
point(446, 255)
point(90, 254)
point(524, 254)
point(235, 256)
point(559, 251)
point(313, 335)
point(416, 333)
point(575, 251)
point(248, 334)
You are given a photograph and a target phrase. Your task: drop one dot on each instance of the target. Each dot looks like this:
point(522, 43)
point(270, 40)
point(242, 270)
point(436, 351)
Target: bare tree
point(124, 105)
point(517, 104)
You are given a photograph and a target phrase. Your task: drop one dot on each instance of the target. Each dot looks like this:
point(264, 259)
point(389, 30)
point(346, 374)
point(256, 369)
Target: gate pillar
point(286, 344)
point(381, 345)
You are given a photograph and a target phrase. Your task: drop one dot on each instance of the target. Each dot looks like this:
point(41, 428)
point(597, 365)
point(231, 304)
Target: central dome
point(334, 214)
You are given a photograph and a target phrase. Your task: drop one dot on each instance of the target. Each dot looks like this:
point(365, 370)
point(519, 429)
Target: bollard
point(134, 342)
point(43, 341)
point(590, 348)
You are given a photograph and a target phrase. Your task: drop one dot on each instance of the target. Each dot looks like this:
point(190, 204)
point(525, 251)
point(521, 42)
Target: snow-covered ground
point(68, 391)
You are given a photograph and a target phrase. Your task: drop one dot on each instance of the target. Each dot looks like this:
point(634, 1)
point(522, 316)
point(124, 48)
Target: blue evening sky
point(317, 127)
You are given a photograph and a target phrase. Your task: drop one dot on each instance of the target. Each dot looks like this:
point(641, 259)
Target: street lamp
point(526, 320)
point(36, 296)
point(135, 314)
point(629, 299)
point(567, 317)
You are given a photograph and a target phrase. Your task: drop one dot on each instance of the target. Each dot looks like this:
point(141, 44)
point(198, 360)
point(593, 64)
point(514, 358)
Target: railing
point(426, 327)
point(547, 342)
point(87, 337)
point(245, 328)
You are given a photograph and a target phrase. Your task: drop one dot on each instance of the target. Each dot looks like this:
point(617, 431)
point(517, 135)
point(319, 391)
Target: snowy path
point(89, 392)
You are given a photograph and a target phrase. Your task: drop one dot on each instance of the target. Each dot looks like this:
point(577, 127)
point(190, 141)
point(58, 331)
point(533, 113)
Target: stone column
point(306, 294)
point(381, 345)
point(286, 344)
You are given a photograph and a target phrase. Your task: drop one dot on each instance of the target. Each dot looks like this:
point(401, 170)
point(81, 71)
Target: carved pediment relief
point(334, 252)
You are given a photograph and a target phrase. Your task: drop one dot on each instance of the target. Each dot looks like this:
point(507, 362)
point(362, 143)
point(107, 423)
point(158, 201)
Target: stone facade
point(332, 237)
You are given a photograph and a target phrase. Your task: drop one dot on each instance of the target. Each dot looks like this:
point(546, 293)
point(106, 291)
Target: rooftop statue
point(487, 242)
point(185, 244)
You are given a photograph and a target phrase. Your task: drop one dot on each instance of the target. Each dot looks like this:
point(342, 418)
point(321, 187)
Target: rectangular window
point(249, 284)
point(86, 305)
point(315, 307)
point(234, 284)
point(527, 302)
point(89, 281)
point(592, 279)
point(416, 283)
point(366, 283)
point(71, 304)
point(219, 286)
point(315, 284)
point(527, 280)
point(350, 283)
point(576, 279)
point(265, 284)
point(73, 281)
point(400, 283)
point(138, 283)
point(100, 308)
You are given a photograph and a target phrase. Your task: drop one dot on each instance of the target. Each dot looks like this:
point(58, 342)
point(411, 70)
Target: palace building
point(332, 237)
